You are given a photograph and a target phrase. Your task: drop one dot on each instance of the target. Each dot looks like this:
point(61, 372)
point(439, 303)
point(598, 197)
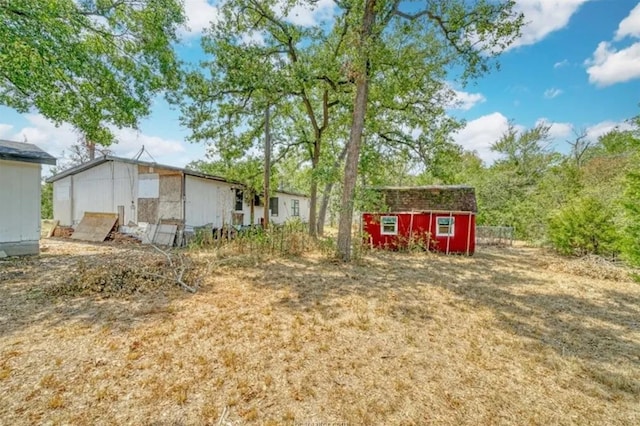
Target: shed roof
point(457, 198)
point(107, 158)
point(24, 152)
point(188, 172)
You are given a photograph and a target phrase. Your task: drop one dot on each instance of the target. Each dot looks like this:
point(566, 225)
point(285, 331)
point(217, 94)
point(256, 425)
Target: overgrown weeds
point(256, 243)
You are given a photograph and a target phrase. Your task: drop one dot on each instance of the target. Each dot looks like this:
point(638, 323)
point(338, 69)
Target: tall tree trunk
point(324, 206)
point(267, 170)
point(313, 204)
point(355, 136)
point(326, 194)
point(91, 149)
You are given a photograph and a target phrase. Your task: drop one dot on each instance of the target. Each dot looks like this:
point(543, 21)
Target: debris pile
point(62, 231)
point(591, 266)
point(134, 273)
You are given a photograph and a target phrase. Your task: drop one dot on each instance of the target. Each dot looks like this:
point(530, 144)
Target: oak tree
point(452, 35)
point(91, 63)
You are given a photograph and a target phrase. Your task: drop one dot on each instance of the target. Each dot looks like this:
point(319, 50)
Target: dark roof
point(93, 163)
point(25, 152)
point(429, 198)
point(284, 191)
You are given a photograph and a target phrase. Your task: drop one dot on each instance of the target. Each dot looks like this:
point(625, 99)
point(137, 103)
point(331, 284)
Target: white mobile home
point(20, 187)
point(142, 192)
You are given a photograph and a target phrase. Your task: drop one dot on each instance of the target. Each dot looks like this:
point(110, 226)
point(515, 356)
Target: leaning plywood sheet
point(165, 235)
point(149, 233)
point(160, 235)
point(95, 226)
point(47, 226)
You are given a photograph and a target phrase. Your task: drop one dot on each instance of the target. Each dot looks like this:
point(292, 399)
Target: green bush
point(630, 242)
point(584, 226)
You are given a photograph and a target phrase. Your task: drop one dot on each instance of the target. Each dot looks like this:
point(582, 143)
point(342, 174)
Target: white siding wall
point(285, 212)
point(19, 206)
point(125, 190)
point(62, 201)
point(99, 189)
point(208, 201)
point(105, 187)
point(284, 208)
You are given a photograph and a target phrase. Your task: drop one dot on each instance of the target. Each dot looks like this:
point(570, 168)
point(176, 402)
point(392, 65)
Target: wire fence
point(495, 235)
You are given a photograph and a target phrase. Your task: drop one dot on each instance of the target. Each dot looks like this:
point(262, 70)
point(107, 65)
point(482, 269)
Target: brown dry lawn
point(498, 338)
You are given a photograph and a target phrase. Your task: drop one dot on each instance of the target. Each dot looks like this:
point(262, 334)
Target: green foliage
point(46, 201)
point(585, 202)
point(524, 153)
point(630, 243)
point(508, 190)
point(584, 226)
point(294, 69)
point(90, 63)
point(249, 172)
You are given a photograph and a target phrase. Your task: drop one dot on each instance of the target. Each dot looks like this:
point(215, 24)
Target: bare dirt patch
point(498, 338)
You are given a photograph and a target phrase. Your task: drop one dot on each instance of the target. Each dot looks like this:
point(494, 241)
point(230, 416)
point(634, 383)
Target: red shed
point(442, 218)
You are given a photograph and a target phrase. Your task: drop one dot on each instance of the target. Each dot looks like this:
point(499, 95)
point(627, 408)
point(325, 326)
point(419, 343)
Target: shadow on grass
point(600, 329)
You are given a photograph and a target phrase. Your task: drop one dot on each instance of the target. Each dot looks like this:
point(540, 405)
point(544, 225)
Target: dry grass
point(499, 338)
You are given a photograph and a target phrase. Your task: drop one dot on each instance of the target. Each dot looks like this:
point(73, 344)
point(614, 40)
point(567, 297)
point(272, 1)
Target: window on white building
point(273, 206)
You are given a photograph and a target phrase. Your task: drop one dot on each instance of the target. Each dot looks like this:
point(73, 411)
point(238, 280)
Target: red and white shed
point(438, 217)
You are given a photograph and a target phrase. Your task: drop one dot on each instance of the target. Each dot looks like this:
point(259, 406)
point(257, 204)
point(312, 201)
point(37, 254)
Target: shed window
point(445, 226)
point(389, 225)
point(273, 206)
point(295, 207)
point(239, 198)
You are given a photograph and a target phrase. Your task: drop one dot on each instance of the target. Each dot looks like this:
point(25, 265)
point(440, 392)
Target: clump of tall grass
point(289, 239)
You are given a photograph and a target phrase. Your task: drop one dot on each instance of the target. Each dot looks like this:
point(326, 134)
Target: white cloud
point(552, 93)
point(610, 66)
point(479, 134)
point(604, 127)
point(130, 141)
point(5, 130)
point(556, 130)
point(57, 140)
point(309, 14)
point(465, 100)
point(200, 14)
point(561, 64)
point(542, 17)
point(630, 26)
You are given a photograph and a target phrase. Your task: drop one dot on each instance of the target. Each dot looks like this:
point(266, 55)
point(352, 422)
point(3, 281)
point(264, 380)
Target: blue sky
point(576, 67)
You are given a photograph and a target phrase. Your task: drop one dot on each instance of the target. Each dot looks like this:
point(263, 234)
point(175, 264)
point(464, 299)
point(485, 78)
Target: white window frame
point(295, 207)
point(452, 226)
point(395, 225)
